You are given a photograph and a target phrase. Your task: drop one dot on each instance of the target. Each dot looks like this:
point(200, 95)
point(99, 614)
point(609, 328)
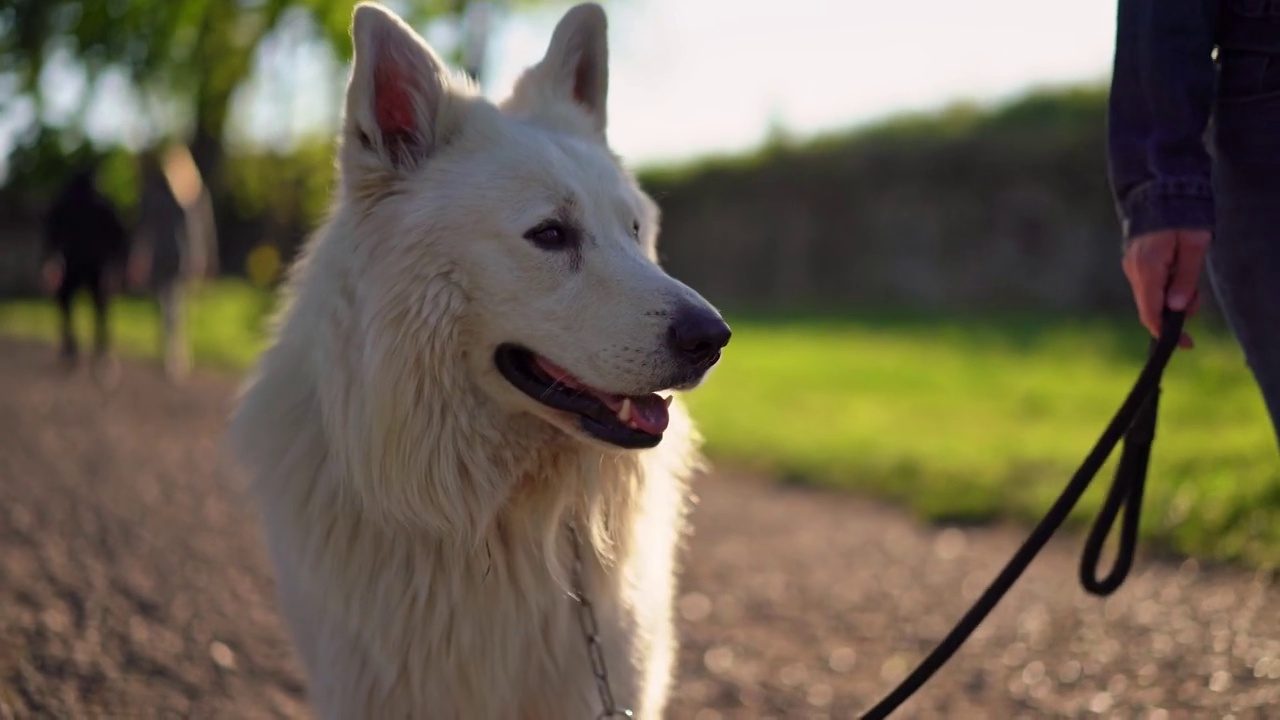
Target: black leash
point(1135, 423)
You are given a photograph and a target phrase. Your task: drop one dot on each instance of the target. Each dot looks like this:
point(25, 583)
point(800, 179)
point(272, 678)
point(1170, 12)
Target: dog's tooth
point(624, 412)
point(667, 400)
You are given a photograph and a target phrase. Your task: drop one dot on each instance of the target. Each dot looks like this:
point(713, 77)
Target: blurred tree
point(190, 55)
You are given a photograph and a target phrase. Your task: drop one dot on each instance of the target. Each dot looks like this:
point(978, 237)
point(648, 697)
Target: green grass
point(972, 419)
point(960, 419)
point(225, 323)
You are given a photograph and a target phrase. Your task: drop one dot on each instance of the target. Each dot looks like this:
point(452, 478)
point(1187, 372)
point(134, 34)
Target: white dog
point(465, 378)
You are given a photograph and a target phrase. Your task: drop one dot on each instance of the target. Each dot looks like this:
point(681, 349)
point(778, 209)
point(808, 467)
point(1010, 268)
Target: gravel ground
point(133, 584)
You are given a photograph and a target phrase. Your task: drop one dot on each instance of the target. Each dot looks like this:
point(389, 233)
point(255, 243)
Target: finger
point(1150, 293)
point(1136, 282)
point(1187, 264)
point(1187, 342)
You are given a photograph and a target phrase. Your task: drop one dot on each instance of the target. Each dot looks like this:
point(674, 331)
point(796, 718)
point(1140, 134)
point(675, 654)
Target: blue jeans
point(1244, 257)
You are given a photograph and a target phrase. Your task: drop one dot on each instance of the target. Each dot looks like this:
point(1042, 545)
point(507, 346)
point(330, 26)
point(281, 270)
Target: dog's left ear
point(396, 91)
point(575, 70)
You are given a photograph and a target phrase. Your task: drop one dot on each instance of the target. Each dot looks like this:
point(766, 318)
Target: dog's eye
point(635, 229)
point(550, 235)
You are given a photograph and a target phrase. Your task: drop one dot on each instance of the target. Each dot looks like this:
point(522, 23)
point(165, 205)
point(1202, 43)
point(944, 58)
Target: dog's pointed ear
point(397, 87)
point(578, 60)
point(575, 70)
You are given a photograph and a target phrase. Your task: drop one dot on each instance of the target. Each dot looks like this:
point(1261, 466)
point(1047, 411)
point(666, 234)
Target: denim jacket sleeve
point(1158, 113)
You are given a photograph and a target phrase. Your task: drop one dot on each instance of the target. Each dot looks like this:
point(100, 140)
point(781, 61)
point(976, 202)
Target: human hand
point(51, 276)
point(136, 272)
point(113, 280)
point(1163, 269)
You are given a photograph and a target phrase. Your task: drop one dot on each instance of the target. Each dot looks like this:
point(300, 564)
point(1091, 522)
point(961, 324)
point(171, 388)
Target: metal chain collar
point(591, 633)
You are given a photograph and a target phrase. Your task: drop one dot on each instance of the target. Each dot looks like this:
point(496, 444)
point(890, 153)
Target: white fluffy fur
point(414, 502)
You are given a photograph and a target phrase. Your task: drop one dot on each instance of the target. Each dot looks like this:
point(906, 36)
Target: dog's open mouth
point(627, 421)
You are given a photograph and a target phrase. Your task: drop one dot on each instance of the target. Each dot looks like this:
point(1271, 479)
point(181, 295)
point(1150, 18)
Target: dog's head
point(548, 242)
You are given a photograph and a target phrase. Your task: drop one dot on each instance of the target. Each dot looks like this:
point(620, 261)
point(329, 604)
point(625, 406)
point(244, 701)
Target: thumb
point(1187, 264)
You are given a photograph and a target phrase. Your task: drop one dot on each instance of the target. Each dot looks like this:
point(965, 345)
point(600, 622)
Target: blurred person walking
point(1194, 165)
point(176, 246)
point(85, 248)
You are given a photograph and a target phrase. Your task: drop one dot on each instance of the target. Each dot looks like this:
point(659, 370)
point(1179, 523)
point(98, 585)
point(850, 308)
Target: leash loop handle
point(1130, 478)
point(1134, 423)
point(1125, 494)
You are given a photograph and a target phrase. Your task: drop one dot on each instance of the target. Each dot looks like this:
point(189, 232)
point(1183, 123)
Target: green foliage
point(186, 56)
point(1068, 109)
point(120, 179)
point(292, 189)
point(1049, 123)
point(203, 47)
point(43, 163)
point(969, 208)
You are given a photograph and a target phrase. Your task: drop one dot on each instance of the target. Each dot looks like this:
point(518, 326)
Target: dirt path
point(133, 584)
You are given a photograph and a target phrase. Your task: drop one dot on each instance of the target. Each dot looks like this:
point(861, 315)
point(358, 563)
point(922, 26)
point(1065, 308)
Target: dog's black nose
point(698, 335)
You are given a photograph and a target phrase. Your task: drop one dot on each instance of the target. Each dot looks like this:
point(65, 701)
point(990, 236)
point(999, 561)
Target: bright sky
point(694, 77)
point(698, 76)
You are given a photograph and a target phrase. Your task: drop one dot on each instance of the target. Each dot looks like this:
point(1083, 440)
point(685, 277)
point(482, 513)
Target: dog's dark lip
point(695, 378)
point(517, 365)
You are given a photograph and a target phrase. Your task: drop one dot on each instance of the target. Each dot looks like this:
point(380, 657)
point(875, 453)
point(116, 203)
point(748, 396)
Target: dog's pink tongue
point(649, 413)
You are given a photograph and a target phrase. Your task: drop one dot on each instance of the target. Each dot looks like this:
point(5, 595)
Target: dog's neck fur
point(403, 470)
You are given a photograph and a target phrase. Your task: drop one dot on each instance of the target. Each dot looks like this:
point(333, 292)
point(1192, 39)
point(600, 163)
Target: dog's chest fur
point(408, 624)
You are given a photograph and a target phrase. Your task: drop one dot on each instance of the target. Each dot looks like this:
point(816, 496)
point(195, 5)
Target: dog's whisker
point(550, 389)
point(559, 384)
